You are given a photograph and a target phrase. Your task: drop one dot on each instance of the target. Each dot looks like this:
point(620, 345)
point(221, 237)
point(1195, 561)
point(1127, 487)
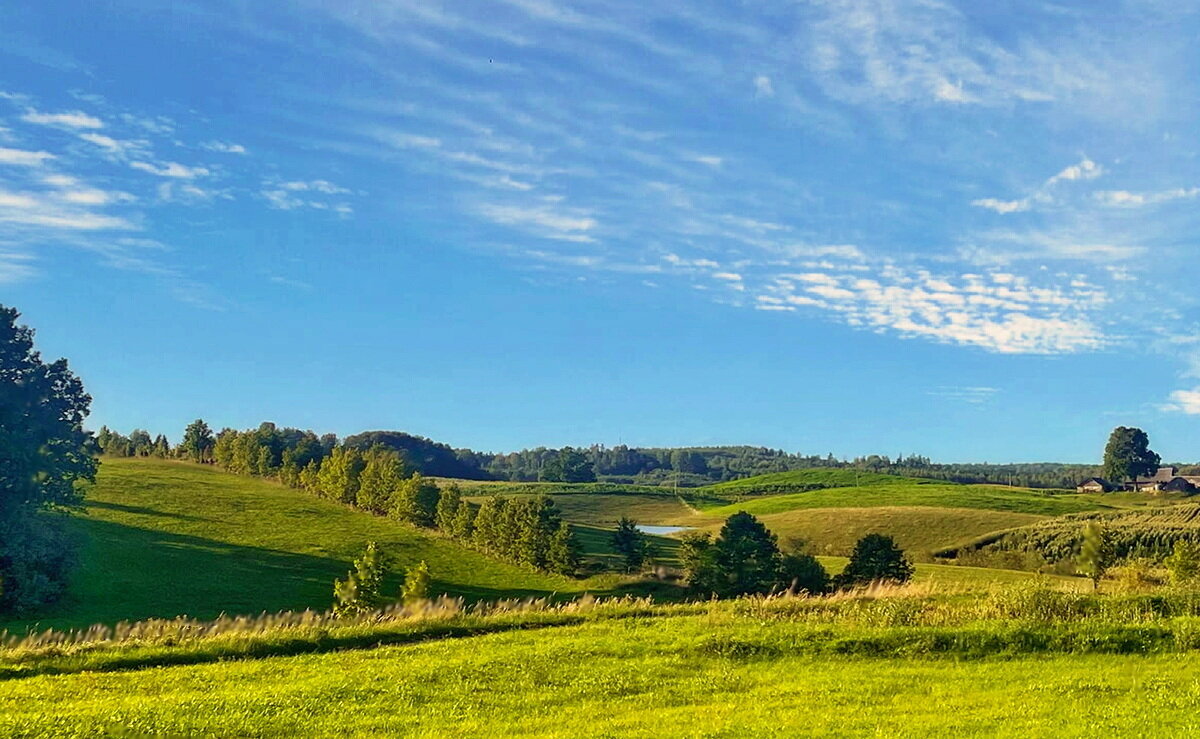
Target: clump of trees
point(137, 444)
point(745, 559)
point(361, 590)
point(45, 455)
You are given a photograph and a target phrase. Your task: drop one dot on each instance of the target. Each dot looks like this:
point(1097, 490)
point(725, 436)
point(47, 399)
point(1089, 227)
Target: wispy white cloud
point(21, 158)
point(170, 169)
point(545, 220)
point(72, 119)
point(223, 147)
point(763, 86)
point(972, 395)
point(1002, 206)
point(1127, 199)
point(1086, 169)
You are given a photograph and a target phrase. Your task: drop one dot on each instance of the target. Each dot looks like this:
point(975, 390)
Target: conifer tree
point(464, 522)
point(630, 544)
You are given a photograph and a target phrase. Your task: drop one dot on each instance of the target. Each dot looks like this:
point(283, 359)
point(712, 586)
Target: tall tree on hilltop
point(44, 454)
point(198, 441)
point(1127, 455)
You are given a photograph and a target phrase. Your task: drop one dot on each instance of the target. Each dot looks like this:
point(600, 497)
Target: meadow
point(1010, 661)
point(162, 538)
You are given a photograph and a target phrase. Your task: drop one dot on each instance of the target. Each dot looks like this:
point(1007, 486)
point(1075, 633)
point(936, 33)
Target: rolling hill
point(162, 538)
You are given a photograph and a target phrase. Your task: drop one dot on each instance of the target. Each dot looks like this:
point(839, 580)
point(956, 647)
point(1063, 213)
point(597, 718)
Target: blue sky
point(850, 227)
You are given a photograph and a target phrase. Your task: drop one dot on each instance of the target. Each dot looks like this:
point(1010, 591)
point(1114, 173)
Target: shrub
point(360, 592)
point(1184, 562)
point(416, 583)
point(800, 572)
point(1095, 554)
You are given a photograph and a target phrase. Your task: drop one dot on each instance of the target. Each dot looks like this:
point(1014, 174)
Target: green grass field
point(730, 669)
point(918, 530)
point(919, 493)
point(163, 538)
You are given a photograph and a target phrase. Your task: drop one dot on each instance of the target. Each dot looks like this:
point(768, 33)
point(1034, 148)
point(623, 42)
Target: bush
point(803, 573)
point(360, 592)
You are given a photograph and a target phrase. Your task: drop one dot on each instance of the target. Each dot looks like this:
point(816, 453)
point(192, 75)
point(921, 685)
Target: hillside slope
point(161, 538)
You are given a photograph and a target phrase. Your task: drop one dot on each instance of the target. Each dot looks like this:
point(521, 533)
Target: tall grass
point(877, 620)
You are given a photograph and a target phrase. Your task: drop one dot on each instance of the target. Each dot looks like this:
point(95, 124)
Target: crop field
point(1018, 661)
point(1150, 531)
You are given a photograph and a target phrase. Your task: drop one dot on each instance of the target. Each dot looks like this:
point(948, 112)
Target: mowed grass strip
point(689, 676)
point(937, 495)
point(161, 539)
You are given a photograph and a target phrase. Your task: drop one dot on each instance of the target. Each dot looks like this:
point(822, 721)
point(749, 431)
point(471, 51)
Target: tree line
point(383, 481)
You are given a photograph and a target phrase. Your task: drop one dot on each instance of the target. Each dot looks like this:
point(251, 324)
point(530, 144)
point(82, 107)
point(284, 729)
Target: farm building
point(1166, 480)
point(1094, 485)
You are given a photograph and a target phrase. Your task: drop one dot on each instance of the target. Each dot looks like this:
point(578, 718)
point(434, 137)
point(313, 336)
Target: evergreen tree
point(875, 557)
point(801, 572)
point(630, 544)
point(746, 556)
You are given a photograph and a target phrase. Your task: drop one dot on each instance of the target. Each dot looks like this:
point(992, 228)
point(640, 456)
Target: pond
point(662, 530)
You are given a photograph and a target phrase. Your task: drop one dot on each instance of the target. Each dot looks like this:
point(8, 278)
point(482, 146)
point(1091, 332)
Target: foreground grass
point(160, 539)
point(1041, 664)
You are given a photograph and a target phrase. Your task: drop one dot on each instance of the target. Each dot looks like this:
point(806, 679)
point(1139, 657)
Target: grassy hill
point(164, 538)
point(919, 493)
point(798, 481)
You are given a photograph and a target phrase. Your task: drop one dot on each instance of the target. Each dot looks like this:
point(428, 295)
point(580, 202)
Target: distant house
point(1166, 480)
point(1094, 485)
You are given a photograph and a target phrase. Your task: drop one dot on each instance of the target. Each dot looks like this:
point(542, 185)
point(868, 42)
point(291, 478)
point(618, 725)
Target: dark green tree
point(44, 456)
point(875, 557)
point(569, 465)
point(563, 555)
point(1127, 455)
point(801, 572)
point(198, 441)
point(746, 556)
point(630, 544)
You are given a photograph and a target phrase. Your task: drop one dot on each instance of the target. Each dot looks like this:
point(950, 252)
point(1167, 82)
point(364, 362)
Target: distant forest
point(685, 467)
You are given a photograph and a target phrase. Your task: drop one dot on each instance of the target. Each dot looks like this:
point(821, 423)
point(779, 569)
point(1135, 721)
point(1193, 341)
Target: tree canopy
point(44, 454)
point(1127, 455)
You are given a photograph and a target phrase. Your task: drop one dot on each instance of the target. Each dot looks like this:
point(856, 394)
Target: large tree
point(1127, 455)
point(198, 441)
point(875, 557)
point(44, 454)
point(747, 556)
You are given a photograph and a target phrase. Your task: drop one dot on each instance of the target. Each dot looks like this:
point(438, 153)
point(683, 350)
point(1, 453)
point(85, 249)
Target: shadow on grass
point(142, 511)
point(131, 574)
